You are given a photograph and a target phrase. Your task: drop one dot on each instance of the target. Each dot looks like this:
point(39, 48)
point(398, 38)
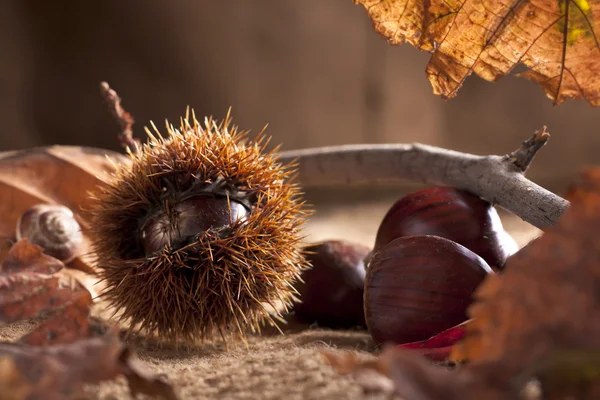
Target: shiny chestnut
point(181, 223)
point(331, 293)
point(452, 214)
point(418, 286)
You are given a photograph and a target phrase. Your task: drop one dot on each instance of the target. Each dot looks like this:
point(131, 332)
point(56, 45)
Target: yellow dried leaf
point(555, 39)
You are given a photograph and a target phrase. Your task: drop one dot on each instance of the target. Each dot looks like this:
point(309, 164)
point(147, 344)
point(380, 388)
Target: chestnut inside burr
point(177, 225)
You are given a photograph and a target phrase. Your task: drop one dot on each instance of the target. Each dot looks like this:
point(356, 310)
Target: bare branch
point(497, 179)
point(124, 119)
point(524, 155)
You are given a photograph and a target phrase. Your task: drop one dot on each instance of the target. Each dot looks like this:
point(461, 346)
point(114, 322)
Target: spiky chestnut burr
point(200, 234)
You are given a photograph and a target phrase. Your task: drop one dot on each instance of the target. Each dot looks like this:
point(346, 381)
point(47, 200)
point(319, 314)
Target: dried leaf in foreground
point(555, 39)
point(545, 306)
point(30, 284)
point(59, 372)
point(66, 326)
point(24, 256)
point(414, 378)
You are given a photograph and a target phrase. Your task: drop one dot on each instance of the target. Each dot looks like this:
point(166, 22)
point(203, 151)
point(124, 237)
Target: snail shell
point(52, 227)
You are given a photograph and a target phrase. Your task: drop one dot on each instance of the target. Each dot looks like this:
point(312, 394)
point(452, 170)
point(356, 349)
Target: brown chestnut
point(418, 286)
point(180, 224)
point(453, 214)
point(332, 292)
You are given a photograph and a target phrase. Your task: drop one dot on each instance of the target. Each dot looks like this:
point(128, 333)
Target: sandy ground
point(272, 366)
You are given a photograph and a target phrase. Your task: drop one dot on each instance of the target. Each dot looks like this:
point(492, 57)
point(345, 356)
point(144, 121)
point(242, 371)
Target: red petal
point(438, 347)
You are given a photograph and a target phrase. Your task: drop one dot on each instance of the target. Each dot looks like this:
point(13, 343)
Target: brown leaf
point(563, 373)
point(27, 294)
point(413, 377)
point(66, 326)
point(24, 256)
point(5, 246)
point(59, 372)
point(547, 300)
point(52, 175)
point(30, 283)
point(555, 39)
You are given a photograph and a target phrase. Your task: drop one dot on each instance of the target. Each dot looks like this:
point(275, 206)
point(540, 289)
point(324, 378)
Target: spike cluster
point(172, 270)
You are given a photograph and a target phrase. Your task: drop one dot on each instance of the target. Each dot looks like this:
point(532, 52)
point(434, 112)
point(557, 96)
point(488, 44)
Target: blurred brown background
point(314, 70)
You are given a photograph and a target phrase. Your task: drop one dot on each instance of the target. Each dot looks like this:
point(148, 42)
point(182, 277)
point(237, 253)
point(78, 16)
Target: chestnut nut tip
point(52, 227)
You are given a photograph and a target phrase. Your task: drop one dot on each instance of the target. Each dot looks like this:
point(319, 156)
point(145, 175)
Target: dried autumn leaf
point(68, 325)
point(29, 283)
point(52, 175)
point(24, 256)
point(27, 294)
point(565, 372)
point(5, 246)
point(413, 377)
point(59, 372)
point(555, 39)
point(546, 301)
